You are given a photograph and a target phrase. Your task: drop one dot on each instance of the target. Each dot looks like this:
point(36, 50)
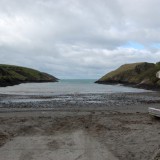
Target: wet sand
point(79, 127)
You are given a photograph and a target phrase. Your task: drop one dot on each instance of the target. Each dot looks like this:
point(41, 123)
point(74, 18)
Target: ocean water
point(64, 87)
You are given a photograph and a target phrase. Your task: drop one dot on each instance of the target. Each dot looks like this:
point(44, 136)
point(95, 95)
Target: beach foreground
point(79, 127)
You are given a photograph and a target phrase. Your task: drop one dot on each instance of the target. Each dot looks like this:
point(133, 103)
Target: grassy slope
point(10, 74)
point(137, 73)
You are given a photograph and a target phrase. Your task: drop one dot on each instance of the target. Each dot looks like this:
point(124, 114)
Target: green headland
point(12, 75)
point(141, 75)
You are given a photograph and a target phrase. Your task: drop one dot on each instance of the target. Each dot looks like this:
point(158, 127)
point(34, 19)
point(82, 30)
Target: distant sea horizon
point(67, 86)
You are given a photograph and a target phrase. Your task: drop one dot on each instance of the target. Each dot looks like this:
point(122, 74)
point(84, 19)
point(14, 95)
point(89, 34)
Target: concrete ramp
point(77, 145)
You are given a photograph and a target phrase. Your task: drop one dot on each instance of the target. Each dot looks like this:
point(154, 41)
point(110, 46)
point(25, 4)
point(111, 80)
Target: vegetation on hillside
point(11, 75)
point(139, 74)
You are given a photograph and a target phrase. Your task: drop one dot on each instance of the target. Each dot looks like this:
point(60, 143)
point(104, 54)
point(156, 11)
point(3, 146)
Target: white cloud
point(78, 38)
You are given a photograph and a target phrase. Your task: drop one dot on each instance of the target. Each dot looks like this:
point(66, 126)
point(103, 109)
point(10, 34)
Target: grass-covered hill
point(12, 75)
point(141, 75)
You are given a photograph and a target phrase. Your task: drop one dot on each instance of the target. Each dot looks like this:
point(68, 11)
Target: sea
point(67, 86)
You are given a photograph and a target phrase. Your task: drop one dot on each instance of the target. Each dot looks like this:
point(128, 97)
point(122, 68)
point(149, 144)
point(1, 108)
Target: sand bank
point(96, 130)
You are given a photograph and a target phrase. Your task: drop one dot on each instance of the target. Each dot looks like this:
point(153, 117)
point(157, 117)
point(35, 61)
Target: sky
point(79, 38)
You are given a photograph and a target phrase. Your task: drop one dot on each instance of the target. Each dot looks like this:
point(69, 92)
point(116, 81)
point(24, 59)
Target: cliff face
point(142, 75)
point(12, 75)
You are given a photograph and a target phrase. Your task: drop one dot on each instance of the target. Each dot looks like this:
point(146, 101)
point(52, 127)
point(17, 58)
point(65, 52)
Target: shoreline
point(132, 85)
point(108, 101)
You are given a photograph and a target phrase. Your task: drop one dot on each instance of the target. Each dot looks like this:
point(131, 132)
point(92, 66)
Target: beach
point(79, 126)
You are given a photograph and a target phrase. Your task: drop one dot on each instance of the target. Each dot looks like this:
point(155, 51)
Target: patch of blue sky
point(156, 45)
point(132, 44)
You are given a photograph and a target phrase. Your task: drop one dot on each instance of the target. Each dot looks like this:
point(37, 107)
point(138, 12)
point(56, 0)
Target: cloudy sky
point(79, 38)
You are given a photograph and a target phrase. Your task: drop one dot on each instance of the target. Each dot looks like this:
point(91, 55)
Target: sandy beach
point(79, 127)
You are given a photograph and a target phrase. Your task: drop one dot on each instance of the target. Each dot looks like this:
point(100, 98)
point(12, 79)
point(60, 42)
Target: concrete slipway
point(77, 145)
